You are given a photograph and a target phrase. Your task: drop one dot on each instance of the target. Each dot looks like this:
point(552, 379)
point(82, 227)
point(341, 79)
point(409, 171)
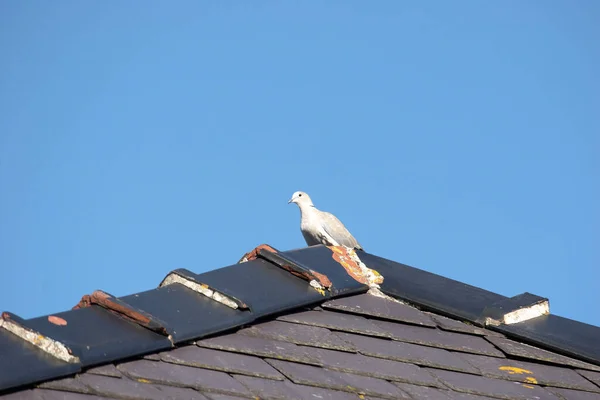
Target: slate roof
point(344, 343)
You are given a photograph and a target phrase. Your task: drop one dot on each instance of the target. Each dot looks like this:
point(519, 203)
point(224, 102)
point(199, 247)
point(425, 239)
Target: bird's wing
point(334, 228)
point(310, 238)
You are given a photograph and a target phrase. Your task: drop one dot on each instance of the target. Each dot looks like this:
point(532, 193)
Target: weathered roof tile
point(218, 396)
point(45, 394)
point(453, 325)
point(465, 396)
point(120, 388)
point(25, 395)
point(299, 334)
point(523, 350)
point(152, 357)
point(439, 338)
point(336, 321)
point(66, 384)
point(429, 393)
point(501, 389)
point(569, 394)
point(424, 392)
point(179, 375)
point(592, 376)
point(381, 308)
point(195, 356)
point(528, 372)
point(374, 367)
point(408, 352)
point(316, 376)
point(106, 370)
point(179, 393)
point(259, 347)
point(269, 389)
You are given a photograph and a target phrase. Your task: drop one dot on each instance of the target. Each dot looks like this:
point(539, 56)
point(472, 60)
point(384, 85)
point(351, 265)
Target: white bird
point(320, 227)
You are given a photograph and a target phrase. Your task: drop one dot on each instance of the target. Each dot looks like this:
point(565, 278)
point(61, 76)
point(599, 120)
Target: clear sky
point(460, 137)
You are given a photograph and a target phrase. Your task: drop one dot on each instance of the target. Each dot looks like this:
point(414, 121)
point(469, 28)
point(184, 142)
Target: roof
point(313, 323)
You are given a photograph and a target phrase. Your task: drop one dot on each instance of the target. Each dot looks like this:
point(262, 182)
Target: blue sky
point(458, 137)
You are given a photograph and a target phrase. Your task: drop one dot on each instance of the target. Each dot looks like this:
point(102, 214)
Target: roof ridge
point(188, 306)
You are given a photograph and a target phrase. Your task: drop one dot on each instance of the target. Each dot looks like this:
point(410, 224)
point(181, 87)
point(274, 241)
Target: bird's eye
point(300, 195)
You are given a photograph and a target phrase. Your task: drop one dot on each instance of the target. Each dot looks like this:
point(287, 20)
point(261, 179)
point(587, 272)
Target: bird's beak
point(290, 200)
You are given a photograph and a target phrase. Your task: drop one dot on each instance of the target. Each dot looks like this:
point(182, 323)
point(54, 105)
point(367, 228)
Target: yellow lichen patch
point(335, 249)
point(38, 340)
point(529, 386)
point(514, 370)
point(142, 380)
point(378, 279)
point(531, 379)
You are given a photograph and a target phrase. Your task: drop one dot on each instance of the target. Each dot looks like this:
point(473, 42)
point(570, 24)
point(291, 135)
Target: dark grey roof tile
point(179, 393)
point(374, 367)
point(522, 350)
point(569, 394)
point(522, 371)
point(23, 395)
point(408, 352)
point(465, 396)
point(316, 393)
point(381, 308)
point(105, 370)
point(259, 347)
point(179, 375)
point(592, 376)
point(66, 384)
point(453, 325)
point(423, 392)
point(498, 388)
point(429, 393)
point(439, 338)
point(269, 389)
point(299, 334)
point(195, 356)
point(120, 388)
point(152, 357)
point(45, 394)
point(316, 376)
point(216, 396)
point(336, 321)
